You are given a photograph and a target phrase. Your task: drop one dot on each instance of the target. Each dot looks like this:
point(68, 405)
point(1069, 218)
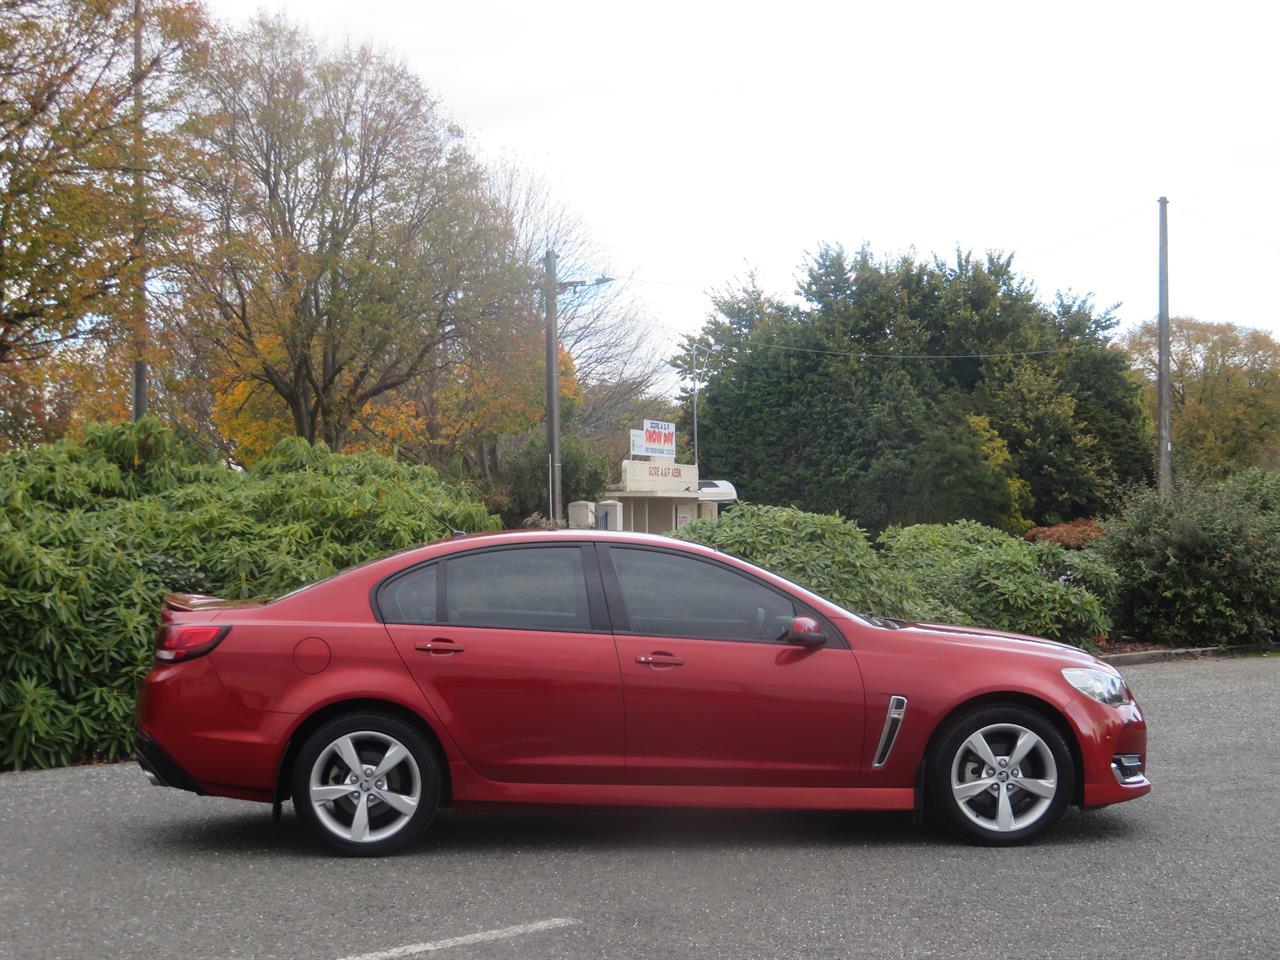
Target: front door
point(713, 696)
point(514, 655)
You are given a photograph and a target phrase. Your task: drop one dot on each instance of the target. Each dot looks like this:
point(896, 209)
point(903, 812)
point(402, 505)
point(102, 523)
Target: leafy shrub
point(1202, 568)
point(1089, 569)
point(824, 553)
point(995, 580)
point(583, 474)
point(964, 572)
point(93, 534)
point(1074, 535)
point(924, 547)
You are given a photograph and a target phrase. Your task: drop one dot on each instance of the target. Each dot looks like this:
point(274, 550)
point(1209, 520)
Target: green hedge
point(93, 534)
point(827, 554)
point(963, 573)
point(1202, 568)
point(996, 580)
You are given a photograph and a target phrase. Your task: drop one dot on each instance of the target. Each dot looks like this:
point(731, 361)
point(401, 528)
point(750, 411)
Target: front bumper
point(1113, 747)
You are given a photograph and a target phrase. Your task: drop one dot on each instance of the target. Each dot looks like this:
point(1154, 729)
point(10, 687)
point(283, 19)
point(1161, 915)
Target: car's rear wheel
point(366, 784)
point(1000, 774)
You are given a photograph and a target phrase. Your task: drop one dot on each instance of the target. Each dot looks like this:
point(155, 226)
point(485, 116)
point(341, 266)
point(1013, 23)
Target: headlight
point(1105, 687)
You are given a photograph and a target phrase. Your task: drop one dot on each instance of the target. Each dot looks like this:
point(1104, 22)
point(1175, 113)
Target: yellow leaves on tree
point(1225, 382)
point(69, 241)
point(995, 453)
point(486, 395)
point(250, 417)
point(495, 396)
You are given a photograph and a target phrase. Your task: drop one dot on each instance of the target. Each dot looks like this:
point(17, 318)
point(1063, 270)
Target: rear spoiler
point(186, 602)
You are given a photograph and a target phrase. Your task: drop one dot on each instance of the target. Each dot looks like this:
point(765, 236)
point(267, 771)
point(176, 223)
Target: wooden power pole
point(553, 390)
point(138, 299)
point(1164, 415)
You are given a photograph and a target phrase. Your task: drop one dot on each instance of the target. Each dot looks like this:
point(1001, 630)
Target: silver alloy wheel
point(1004, 777)
point(365, 786)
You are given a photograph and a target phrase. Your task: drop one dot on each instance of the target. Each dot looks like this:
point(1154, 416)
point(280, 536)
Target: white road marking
point(485, 936)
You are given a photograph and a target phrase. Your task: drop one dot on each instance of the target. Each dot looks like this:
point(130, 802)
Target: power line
point(1253, 238)
point(917, 356)
point(1083, 236)
point(667, 283)
point(1067, 348)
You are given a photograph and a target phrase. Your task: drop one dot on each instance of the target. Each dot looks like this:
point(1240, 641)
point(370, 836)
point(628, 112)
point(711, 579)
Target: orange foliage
point(491, 397)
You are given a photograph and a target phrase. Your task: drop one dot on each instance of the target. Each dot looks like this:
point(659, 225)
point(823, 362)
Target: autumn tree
point(349, 242)
point(1225, 384)
point(67, 227)
point(84, 199)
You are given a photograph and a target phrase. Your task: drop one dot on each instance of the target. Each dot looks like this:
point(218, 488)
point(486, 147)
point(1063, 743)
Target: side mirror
point(805, 632)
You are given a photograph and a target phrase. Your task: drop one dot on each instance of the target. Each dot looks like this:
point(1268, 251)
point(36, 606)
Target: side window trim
point(597, 603)
point(442, 592)
point(622, 624)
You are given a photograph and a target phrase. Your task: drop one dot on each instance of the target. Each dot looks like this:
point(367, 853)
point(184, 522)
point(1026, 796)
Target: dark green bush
point(997, 580)
point(93, 534)
point(827, 554)
point(962, 572)
point(1202, 568)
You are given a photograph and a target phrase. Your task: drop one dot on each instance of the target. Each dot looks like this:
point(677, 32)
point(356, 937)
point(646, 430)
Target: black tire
point(369, 733)
point(991, 816)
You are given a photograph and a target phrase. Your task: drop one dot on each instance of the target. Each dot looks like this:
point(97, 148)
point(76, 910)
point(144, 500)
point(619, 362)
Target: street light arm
point(564, 285)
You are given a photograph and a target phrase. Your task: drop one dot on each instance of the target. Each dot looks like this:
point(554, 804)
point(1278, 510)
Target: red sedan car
point(594, 668)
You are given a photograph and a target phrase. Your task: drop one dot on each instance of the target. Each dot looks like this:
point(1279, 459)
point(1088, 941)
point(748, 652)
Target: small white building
point(654, 496)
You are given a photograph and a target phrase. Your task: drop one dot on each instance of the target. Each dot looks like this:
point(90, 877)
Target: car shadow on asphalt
point(714, 830)
point(591, 830)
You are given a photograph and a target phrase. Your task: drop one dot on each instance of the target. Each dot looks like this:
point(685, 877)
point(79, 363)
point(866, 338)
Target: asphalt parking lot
point(94, 863)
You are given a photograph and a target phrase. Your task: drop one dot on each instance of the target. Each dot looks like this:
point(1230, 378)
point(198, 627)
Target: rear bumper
point(193, 736)
point(161, 769)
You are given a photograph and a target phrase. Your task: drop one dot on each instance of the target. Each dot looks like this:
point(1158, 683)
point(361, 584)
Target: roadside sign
point(657, 439)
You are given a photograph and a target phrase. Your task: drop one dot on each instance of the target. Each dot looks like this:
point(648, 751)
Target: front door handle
point(659, 658)
point(439, 646)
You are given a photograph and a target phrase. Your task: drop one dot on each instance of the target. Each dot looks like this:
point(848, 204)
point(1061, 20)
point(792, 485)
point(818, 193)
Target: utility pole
point(553, 389)
point(138, 299)
point(693, 348)
point(552, 288)
point(1164, 416)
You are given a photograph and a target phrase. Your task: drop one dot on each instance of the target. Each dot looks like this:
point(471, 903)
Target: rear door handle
point(659, 658)
point(439, 646)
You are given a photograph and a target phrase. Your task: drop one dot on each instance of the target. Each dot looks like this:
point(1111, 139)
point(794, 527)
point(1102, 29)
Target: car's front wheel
point(366, 784)
point(1000, 774)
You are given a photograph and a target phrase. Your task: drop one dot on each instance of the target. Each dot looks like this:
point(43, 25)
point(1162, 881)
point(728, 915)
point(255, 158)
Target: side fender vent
point(892, 723)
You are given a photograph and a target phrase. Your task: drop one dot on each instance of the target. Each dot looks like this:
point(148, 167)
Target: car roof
point(374, 571)
point(589, 533)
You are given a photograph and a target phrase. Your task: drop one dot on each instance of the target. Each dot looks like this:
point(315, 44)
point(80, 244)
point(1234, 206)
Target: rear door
point(511, 647)
point(713, 696)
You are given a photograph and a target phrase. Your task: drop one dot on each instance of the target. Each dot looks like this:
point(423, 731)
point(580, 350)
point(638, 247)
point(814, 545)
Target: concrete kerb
point(1186, 653)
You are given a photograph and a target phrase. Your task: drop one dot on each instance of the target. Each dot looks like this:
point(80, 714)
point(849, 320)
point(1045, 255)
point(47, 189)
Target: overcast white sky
point(700, 140)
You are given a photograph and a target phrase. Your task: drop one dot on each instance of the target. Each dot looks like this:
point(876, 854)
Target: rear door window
point(522, 588)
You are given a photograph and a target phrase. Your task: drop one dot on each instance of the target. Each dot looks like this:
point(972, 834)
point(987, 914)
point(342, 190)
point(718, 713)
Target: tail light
point(186, 641)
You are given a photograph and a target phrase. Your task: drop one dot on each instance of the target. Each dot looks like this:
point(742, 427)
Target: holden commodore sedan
point(595, 668)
